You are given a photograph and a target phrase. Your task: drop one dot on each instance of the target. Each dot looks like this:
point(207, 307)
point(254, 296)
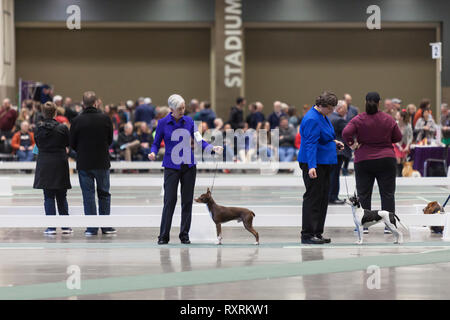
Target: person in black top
point(236, 115)
point(91, 134)
point(257, 118)
point(339, 120)
point(52, 166)
point(145, 138)
point(128, 142)
point(251, 110)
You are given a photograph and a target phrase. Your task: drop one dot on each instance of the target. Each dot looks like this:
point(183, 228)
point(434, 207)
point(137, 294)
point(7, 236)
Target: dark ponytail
point(371, 107)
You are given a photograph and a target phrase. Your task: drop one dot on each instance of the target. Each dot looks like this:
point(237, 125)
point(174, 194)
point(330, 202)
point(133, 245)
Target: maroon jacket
point(7, 119)
point(375, 133)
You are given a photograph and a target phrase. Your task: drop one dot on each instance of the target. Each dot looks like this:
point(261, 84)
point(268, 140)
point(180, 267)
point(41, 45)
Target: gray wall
point(286, 65)
point(253, 10)
point(117, 10)
point(118, 64)
point(355, 11)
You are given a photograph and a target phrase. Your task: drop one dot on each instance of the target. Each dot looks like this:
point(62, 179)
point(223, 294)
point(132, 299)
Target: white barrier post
point(5, 187)
point(202, 229)
point(446, 234)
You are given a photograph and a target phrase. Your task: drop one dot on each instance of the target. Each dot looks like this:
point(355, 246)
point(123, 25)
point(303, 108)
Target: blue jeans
point(26, 155)
point(286, 154)
point(265, 154)
point(228, 153)
point(145, 152)
point(61, 201)
point(88, 179)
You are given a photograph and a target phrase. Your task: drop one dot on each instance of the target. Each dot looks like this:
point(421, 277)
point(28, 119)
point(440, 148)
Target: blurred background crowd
point(135, 122)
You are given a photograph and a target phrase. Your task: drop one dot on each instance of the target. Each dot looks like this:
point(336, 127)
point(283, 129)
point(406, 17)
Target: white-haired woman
point(177, 131)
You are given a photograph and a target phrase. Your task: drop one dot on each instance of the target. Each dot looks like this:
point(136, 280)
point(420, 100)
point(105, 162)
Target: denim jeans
point(286, 154)
point(265, 154)
point(228, 153)
point(61, 201)
point(88, 179)
point(26, 155)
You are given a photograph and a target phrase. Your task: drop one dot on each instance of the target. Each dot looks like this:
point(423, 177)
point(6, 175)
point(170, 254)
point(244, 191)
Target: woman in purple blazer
point(372, 135)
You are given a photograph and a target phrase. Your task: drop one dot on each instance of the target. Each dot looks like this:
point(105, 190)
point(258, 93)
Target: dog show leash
point(448, 198)
point(346, 186)
point(215, 171)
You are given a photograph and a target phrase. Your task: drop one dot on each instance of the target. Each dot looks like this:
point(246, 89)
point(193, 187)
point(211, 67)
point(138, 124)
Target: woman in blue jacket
point(316, 155)
point(177, 131)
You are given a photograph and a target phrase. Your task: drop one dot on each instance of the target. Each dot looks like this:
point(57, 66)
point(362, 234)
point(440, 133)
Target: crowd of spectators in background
point(135, 122)
point(134, 126)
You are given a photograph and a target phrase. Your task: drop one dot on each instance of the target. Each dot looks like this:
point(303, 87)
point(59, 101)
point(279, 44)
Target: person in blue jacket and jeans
point(316, 156)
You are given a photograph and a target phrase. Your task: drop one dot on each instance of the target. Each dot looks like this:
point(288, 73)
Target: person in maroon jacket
point(8, 117)
point(374, 132)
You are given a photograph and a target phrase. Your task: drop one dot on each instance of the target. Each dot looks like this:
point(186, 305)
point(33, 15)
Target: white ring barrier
point(5, 186)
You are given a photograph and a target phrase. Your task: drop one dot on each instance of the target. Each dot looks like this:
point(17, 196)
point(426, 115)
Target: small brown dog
point(432, 208)
point(408, 170)
point(221, 214)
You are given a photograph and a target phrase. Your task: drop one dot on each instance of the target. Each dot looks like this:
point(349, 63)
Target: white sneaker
point(50, 231)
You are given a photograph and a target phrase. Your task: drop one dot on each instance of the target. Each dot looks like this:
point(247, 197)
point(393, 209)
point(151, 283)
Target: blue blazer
point(169, 129)
point(317, 140)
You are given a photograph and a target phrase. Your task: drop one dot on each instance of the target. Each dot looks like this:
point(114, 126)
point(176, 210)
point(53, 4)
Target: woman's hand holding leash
point(312, 173)
point(218, 149)
point(355, 146)
point(339, 145)
point(152, 156)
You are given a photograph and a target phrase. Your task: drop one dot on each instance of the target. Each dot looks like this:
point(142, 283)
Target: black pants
point(185, 176)
point(315, 200)
point(61, 202)
point(334, 178)
point(384, 171)
point(345, 166)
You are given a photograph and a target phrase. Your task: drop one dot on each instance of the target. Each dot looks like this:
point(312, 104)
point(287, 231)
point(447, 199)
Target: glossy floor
point(130, 265)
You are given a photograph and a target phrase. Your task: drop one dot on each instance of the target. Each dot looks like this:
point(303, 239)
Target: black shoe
point(325, 240)
point(163, 241)
point(185, 241)
point(337, 201)
point(313, 240)
point(109, 231)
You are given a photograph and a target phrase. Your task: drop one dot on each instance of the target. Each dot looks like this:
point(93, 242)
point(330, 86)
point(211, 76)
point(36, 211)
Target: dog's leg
point(359, 227)
point(397, 233)
point(219, 233)
point(249, 227)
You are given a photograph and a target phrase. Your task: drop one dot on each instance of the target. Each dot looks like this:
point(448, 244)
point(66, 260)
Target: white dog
point(365, 218)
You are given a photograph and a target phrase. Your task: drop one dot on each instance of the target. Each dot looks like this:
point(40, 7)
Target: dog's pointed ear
point(208, 191)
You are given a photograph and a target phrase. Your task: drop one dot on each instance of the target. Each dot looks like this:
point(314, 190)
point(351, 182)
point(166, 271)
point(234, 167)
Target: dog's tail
point(398, 219)
point(253, 214)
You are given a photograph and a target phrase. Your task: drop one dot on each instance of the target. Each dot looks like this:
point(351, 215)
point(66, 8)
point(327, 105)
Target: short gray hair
point(175, 101)
point(340, 104)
